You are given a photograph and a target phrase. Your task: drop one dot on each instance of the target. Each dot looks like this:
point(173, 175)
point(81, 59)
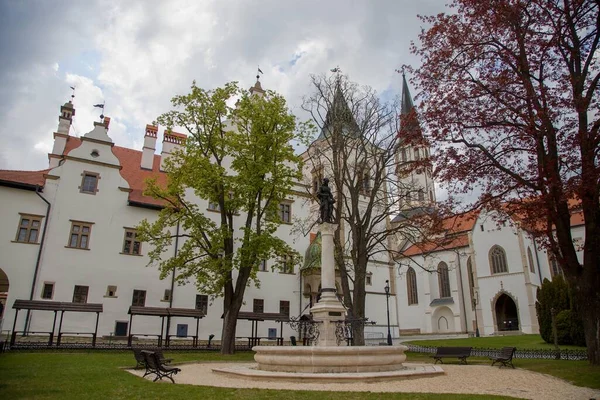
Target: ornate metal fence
point(344, 329)
point(308, 330)
point(562, 354)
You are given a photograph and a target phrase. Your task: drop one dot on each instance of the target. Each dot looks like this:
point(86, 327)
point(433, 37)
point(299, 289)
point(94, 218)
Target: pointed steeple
point(340, 113)
point(409, 124)
point(407, 102)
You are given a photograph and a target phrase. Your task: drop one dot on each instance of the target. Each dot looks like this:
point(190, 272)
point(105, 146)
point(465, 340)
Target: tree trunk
point(588, 299)
point(229, 329)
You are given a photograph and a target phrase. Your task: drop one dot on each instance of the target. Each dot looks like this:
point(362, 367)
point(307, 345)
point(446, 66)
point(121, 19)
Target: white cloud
point(136, 55)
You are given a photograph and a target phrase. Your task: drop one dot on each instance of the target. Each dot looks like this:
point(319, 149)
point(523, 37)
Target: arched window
point(417, 158)
point(498, 260)
point(403, 155)
point(431, 196)
point(421, 195)
point(555, 268)
point(443, 280)
point(411, 286)
point(530, 259)
point(471, 281)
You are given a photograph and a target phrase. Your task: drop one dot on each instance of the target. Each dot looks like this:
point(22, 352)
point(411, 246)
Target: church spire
point(407, 102)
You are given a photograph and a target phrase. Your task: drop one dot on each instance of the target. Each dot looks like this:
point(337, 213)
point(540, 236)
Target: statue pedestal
point(329, 309)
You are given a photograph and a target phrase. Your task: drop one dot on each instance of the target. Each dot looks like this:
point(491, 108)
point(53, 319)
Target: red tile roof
point(445, 243)
point(32, 178)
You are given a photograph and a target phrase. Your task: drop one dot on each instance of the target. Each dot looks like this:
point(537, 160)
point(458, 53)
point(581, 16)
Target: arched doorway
point(3, 295)
point(507, 317)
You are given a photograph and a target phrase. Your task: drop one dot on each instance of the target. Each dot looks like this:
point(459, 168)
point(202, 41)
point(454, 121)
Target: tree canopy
point(238, 159)
point(509, 94)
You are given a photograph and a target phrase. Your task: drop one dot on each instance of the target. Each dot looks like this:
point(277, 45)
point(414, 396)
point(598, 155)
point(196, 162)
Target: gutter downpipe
point(39, 257)
point(173, 278)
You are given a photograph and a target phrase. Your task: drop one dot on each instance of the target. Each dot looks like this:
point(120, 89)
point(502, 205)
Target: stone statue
point(326, 201)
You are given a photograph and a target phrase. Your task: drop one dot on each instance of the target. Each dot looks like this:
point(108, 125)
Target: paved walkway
point(476, 379)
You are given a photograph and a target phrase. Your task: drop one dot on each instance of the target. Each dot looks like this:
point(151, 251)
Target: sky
point(135, 55)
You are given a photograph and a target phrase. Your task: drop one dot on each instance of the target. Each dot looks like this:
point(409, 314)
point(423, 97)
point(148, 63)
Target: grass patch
point(579, 373)
point(496, 342)
point(96, 375)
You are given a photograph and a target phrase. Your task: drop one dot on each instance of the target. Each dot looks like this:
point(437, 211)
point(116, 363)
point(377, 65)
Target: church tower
point(414, 170)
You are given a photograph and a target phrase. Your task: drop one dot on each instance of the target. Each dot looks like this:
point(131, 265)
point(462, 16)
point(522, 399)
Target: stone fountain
point(325, 360)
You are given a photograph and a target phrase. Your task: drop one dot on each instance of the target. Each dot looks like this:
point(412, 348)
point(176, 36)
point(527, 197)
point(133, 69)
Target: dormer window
point(89, 182)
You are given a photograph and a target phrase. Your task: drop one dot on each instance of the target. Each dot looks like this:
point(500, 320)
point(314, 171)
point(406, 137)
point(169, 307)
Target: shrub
point(569, 326)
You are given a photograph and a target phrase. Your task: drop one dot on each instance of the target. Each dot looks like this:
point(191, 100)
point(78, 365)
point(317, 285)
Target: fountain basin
point(338, 359)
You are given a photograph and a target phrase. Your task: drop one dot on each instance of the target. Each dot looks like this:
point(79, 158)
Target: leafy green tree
point(239, 158)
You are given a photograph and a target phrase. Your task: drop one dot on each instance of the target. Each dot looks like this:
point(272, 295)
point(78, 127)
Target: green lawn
point(518, 341)
point(97, 375)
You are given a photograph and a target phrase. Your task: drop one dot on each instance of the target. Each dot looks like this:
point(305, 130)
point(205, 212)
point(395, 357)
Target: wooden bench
point(141, 361)
point(155, 366)
point(504, 357)
point(452, 352)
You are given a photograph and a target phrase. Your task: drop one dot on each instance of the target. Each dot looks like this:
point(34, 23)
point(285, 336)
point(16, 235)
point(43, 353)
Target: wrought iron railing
point(344, 330)
point(547, 354)
point(308, 329)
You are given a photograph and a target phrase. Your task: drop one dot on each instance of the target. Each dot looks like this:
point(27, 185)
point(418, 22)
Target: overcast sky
point(137, 54)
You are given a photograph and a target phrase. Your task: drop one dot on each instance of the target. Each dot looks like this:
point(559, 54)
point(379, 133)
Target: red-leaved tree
point(509, 92)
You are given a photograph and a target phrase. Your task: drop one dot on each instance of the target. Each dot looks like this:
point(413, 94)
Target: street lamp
point(475, 309)
point(387, 302)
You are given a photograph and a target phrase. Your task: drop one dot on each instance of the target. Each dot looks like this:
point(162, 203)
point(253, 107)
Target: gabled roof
point(131, 171)
point(455, 231)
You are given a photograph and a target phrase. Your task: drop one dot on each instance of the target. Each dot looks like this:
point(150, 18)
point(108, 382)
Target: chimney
point(106, 122)
point(171, 142)
point(67, 111)
point(149, 146)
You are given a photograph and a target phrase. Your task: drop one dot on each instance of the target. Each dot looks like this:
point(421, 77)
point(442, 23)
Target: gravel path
point(478, 379)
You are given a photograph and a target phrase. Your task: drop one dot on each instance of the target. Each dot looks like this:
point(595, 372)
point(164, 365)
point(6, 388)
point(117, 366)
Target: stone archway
point(506, 313)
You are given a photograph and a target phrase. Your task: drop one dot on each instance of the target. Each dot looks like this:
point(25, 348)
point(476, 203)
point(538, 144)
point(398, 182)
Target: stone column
point(329, 309)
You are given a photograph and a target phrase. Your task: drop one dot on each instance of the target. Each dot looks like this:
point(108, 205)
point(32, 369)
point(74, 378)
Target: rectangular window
point(287, 264)
point(369, 279)
point(284, 307)
point(167, 295)
point(262, 266)
point(202, 303)
point(48, 291)
point(29, 228)
point(89, 182)
point(131, 245)
point(285, 212)
point(214, 206)
point(139, 298)
point(258, 306)
point(80, 294)
point(80, 235)
point(111, 291)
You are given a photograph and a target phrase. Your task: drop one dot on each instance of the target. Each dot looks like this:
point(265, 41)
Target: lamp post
point(475, 309)
point(387, 302)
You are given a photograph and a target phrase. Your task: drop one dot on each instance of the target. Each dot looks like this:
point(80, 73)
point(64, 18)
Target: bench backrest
point(508, 352)
point(453, 351)
point(150, 359)
point(137, 353)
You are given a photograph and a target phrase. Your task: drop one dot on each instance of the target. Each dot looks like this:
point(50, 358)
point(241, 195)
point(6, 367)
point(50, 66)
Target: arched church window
point(530, 259)
point(497, 257)
point(421, 195)
point(443, 280)
point(403, 155)
point(417, 154)
point(411, 286)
